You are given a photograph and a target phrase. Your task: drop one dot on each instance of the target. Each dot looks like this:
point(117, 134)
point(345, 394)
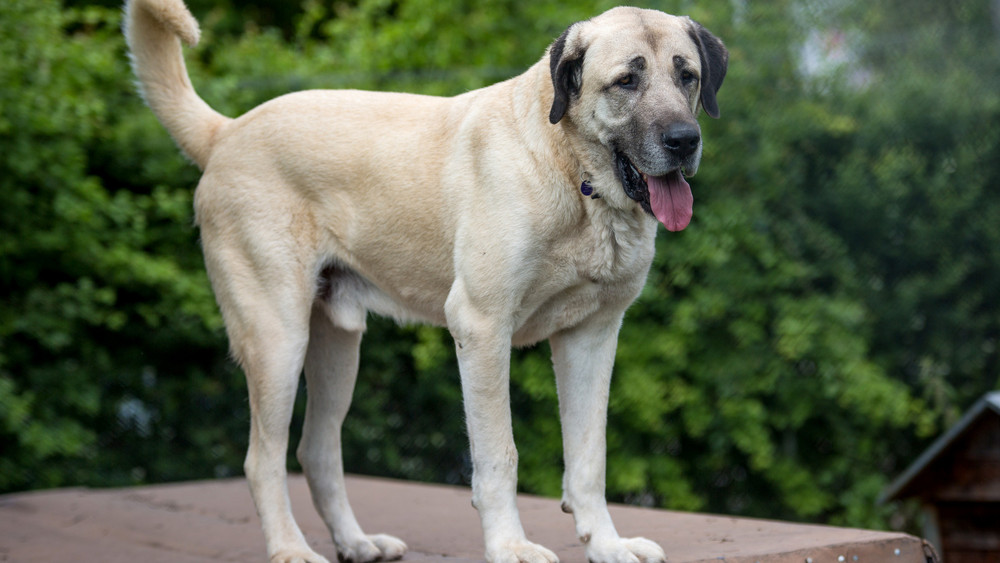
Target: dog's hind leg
point(266, 301)
point(331, 368)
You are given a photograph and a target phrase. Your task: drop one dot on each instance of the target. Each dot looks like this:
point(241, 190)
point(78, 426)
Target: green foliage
point(102, 289)
point(828, 311)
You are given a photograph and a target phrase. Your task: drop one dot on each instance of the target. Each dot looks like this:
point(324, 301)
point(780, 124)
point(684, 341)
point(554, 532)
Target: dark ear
point(567, 73)
point(714, 62)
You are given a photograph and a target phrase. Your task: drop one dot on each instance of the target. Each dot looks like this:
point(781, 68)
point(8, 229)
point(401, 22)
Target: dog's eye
point(628, 82)
point(688, 77)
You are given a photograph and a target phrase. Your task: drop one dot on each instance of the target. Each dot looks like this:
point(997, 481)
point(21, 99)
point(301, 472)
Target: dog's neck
point(550, 143)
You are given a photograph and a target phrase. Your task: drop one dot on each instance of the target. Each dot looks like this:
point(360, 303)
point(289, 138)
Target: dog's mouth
point(667, 197)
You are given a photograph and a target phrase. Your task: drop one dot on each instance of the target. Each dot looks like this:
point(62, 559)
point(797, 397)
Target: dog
point(519, 212)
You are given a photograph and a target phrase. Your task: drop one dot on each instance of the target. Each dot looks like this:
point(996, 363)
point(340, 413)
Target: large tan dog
point(519, 212)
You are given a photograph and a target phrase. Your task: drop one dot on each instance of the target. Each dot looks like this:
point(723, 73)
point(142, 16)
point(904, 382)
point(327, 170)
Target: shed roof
point(989, 403)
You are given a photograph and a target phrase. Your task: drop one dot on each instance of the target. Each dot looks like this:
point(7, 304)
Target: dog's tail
point(153, 30)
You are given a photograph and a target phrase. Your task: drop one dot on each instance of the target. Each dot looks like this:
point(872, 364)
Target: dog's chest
point(613, 247)
point(601, 268)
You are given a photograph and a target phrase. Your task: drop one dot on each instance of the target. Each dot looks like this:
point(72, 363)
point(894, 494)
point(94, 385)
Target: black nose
point(681, 139)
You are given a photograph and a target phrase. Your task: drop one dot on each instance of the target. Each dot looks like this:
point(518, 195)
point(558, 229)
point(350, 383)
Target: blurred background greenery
point(831, 309)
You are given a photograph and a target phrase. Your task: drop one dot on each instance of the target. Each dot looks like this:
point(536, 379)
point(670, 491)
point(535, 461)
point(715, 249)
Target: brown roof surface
point(213, 521)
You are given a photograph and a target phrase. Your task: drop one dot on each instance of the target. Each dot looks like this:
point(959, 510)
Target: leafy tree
point(103, 291)
point(916, 211)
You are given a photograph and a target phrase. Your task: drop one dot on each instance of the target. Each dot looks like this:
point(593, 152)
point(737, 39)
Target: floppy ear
point(714, 62)
point(566, 64)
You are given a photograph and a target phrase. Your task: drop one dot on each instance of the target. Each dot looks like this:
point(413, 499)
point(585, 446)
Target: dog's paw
point(298, 556)
point(625, 550)
point(522, 551)
point(378, 547)
point(391, 548)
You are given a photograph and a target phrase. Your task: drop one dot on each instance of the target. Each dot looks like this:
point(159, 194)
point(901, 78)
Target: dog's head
point(630, 82)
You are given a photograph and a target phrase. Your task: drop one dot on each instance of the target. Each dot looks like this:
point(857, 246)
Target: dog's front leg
point(483, 346)
point(583, 358)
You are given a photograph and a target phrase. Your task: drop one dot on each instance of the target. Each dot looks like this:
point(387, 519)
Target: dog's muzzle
point(667, 197)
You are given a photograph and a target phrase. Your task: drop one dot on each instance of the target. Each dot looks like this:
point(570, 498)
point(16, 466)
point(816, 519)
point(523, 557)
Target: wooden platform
point(214, 521)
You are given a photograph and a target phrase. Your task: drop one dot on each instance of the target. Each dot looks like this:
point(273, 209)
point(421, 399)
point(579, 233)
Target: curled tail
point(154, 30)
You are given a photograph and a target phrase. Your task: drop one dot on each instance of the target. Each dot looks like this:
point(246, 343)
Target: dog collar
point(588, 190)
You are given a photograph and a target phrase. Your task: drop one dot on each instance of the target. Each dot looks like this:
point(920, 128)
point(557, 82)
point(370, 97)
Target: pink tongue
point(671, 200)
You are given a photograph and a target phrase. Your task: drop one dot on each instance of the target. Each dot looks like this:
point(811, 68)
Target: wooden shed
point(957, 481)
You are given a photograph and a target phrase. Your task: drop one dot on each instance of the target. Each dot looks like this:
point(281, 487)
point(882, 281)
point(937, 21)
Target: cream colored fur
point(319, 207)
